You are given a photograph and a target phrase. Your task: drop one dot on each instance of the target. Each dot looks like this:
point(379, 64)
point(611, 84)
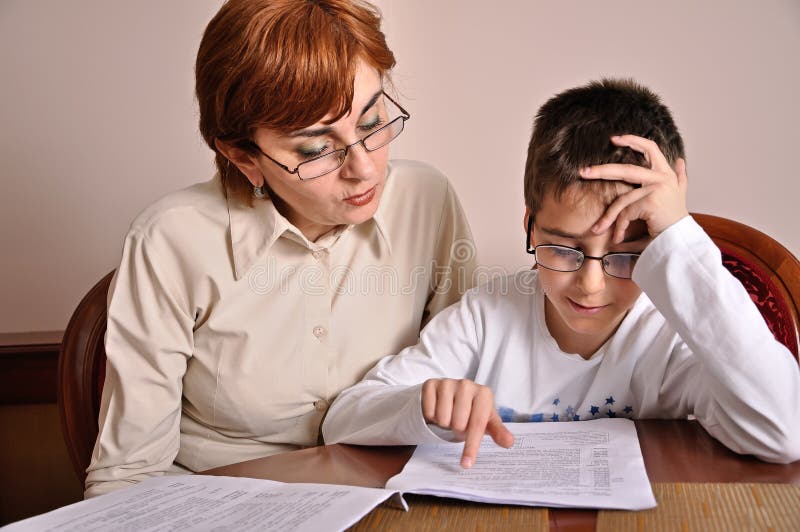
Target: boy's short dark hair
point(572, 130)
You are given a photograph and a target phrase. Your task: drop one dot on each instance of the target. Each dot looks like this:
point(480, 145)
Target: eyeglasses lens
point(563, 259)
point(559, 258)
point(620, 265)
point(321, 166)
point(384, 135)
point(330, 162)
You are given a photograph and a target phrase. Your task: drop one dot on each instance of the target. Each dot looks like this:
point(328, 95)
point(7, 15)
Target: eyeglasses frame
point(404, 117)
point(532, 251)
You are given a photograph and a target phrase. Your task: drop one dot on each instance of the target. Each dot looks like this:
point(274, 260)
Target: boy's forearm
point(749, 397)
point(372, 413)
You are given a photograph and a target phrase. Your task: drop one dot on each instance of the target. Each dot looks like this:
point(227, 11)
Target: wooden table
point(674, 451)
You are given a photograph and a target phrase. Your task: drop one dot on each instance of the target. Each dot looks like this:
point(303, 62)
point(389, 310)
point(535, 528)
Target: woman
point(243, 305)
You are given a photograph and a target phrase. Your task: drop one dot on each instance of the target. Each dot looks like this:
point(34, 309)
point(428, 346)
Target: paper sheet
point(584, 464)
point(196, 502)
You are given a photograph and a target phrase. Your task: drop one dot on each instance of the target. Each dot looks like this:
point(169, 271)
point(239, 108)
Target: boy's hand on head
point(659, 202)
point(467, 409)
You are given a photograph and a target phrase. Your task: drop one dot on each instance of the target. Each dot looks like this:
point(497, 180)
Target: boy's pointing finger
point(498, 431)
point(472, 444)
point(484, 423)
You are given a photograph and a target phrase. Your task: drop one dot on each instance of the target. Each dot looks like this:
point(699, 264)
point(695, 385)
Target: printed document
point(196, 502)
point(583, 464)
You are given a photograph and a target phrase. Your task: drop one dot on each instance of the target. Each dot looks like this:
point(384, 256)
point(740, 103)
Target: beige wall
point(98, 117)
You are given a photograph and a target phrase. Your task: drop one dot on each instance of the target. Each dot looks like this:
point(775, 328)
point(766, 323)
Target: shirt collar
point(255, 229)
point(380, 226)
point(379, 218)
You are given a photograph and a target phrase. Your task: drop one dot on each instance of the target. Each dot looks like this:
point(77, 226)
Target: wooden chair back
point(769, 272)
point(81, 373)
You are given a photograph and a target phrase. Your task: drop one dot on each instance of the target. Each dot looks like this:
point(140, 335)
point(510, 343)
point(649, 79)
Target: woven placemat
point(435, 514)
point(712, 506)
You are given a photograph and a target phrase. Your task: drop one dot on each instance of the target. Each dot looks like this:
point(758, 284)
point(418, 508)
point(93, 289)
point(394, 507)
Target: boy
point(628, 313)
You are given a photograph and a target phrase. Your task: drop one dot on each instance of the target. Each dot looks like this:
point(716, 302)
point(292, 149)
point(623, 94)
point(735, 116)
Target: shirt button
point(321, 405)
point(318, 254)
point(318, 331)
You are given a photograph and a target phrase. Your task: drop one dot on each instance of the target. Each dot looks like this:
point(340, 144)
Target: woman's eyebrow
point(371, 102)
point(317, 132)
point(325, 130)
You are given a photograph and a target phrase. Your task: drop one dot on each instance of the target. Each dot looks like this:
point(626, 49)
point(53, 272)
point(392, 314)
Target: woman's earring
point(259, 192)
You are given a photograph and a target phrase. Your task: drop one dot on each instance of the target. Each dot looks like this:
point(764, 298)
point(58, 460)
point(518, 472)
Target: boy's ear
point(243, 161)
point(525, 220)
point(680, 168)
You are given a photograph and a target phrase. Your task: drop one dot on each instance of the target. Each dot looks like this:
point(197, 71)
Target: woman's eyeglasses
point(325, 164)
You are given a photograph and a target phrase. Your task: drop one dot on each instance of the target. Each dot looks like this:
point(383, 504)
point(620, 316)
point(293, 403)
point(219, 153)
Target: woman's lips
point(582, 309)
point(361, 199)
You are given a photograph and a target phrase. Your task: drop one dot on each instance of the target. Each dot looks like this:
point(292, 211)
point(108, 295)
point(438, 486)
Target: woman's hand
point(661, 199)
point(467, 409)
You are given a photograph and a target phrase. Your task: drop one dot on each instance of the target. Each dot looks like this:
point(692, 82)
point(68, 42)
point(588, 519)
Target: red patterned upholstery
point(769, 272)
point(764, 294)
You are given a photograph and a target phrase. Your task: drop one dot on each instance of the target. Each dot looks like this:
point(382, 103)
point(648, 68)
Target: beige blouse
point(229, 333)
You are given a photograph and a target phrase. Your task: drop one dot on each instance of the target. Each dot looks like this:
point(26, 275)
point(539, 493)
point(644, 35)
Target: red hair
point(283, 65)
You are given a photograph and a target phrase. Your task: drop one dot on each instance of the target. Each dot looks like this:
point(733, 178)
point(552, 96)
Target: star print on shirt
point(610, 400)
point(628, 409)
point(611, 413)
point(594, 410)
point(506, 414)
point(556, 401)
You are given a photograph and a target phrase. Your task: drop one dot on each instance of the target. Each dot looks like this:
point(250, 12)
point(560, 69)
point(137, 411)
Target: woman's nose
point(358, 164)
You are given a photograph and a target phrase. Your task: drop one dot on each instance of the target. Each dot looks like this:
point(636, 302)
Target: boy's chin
point(595, 327)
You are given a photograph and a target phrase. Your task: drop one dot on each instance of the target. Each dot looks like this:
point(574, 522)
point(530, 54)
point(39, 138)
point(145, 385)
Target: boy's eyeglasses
point(325, 164)
point(566, 259)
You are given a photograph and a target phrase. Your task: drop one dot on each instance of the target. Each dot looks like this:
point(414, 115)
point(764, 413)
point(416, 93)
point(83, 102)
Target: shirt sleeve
point(386, 407)
point(728, 369)
point(455, 258)
point(148, 343)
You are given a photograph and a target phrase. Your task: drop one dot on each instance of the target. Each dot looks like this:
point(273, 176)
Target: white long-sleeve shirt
point(693, 343)
point(229, 332)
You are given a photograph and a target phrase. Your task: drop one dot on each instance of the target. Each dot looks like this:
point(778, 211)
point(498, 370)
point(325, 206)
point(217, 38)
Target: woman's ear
point(243, 161)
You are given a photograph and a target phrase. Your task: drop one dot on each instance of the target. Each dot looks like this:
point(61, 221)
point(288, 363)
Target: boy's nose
point(591, 277)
